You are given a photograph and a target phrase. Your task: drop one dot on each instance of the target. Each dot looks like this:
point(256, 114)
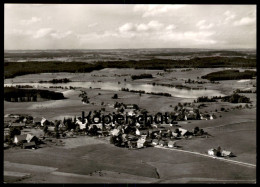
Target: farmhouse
point(225, 153)
point(132, 144)
point(155, 142)
point(162, 143)
point(172, 144)
point(30, 138)
point(20, 138)
point(81, 125)
point(183, 131)
point(140, 143)
point(212, 152)
point(44, 122)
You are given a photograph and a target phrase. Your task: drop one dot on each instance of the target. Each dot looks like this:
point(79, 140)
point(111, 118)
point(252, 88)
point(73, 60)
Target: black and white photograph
point(129, 93)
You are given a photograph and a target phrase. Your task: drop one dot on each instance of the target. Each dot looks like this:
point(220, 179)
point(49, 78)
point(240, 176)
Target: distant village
point(131, 135)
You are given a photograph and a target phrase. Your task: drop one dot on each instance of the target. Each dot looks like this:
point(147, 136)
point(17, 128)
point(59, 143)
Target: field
point(85, 159)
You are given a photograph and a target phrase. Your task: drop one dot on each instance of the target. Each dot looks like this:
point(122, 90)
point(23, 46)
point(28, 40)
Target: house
point(172, 144)
point(44, 122)
point(155, 142)
point(203, 117)
point(51, 128)
point(183, 131)
point(144, 137)
point(227, 153)
point(162, 143)
point(81, 125)
point(174, 134)
point(31, 138)
point(115, 132)
point(30, 145)
point(129, 112)
point(141, 143)
point(129, 106)
point(132, 144)
point(212, 152)
point(212, 116)
point(20, 138)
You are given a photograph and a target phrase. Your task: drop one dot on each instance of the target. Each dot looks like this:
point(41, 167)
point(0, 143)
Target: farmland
point(93, 159)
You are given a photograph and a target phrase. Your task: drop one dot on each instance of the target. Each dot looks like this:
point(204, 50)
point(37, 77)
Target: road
point(213, 157)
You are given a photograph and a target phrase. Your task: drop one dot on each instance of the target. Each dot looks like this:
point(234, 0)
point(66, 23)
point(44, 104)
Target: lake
point(113, 86)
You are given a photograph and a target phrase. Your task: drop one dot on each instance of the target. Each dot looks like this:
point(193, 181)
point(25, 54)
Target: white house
point(81, 125)
point(226, 153)
point(114, 132)
point(172, 144)
point(212, 152)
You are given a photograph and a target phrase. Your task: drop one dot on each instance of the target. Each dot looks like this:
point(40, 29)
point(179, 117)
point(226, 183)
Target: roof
point(161, 142)
point(17, 124)
point(21, 137)
point(37, 119)
point(183, 131)
point(141, 141)
point(171, 142)
point(29, 137)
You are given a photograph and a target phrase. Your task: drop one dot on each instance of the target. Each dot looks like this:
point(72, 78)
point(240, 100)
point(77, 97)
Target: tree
point(84, 97)
point(196, 130)
point(115, 96)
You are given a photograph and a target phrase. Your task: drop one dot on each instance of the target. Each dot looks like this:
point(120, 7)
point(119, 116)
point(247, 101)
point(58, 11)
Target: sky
point(107, 26)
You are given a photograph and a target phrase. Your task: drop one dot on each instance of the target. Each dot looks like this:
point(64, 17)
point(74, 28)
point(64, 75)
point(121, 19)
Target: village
point(130, 134)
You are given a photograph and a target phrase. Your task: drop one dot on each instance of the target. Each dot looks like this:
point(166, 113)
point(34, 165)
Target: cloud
point(92, 25)
point(142, 27)
point(245, 21)
point(189, 37)
point(49, 32)
point(171, 27)
point(155, 10)
point(202, 25)
point(30, 21)
point(228, 16)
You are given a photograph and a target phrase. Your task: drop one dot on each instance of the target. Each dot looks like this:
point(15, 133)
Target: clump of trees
point(84, 97)
point(236, 98)
point(12, 92)
point(229, 75)
point(142, 76)
point(55, 81)
point(205, 99)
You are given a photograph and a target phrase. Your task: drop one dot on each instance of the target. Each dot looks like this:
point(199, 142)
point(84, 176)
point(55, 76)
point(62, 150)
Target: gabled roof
point(29, 137)
point(183, 131)
point(171, 142)
point(21, 137)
